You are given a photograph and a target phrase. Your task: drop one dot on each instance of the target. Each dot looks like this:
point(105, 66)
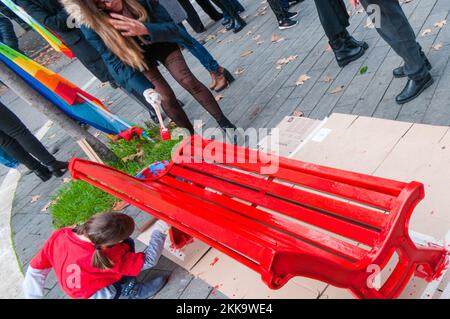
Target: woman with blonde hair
point(132, 37)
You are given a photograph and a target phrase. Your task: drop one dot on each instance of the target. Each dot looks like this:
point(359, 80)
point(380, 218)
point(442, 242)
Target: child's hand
point(161, 226)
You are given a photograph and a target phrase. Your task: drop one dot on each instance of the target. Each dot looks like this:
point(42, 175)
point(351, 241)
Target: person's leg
point(278, 9)
point(169, 100)
point(90, 58)
point(237, 6)
point(7, 34)
point(210, 10)
point(12, 126)
point(176, 65)
point(237, 23)
point(193, 18)
point(396, 30)
point(334, 18)
point(15, 150)
point(199, 51)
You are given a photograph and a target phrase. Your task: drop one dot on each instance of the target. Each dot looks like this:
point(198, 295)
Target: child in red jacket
point(97, 260)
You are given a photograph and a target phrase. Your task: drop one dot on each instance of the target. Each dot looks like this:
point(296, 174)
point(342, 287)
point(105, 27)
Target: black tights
point(19, 143)
point(176, 65)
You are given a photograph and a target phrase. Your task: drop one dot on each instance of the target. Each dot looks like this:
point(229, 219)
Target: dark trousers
point(193, 18)
point(125, 282)
point(210, 10)
point(7, 34)
point(333, 16)
point(396, 30)
point(278, 9)
point(227, 8)
point(20, 143)
point(90, 58)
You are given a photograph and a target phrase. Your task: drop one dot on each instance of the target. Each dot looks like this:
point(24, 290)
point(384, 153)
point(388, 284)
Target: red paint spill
point(214, 261)
point(432, 212)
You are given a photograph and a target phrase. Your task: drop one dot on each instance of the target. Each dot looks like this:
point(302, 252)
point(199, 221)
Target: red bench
point(301, 220)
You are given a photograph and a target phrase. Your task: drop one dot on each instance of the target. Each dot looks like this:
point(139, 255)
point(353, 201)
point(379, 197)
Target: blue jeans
point(198, 50)
point(7, 34)
point(237, 6)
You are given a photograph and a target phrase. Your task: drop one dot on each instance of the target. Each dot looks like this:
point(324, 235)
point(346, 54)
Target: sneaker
point(292, 15)
point(286, 24)
point(147, 289)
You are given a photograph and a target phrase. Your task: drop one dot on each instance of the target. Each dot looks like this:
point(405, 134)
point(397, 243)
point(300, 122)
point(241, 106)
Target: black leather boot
point(345, 53)
point(58, 168)
point(239, 24)
point(400, 71)
point(413, 89)
point(43, 173)
point(352, 42)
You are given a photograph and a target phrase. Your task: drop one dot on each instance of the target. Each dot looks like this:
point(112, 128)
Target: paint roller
point(154, 99)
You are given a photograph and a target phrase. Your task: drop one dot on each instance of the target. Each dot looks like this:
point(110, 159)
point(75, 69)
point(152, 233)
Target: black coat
point(51, 14)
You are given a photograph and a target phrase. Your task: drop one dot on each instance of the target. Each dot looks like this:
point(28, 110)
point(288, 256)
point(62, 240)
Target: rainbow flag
point(73, 101)
point(51, 38)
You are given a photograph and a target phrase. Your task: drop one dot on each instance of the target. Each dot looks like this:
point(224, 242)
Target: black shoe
point(217, 17)
point(345, 53)
point(239, 24)
point(352, 42)
point(58, 168)
point(227, 21)
point(231, 25)
point(286, 24)
point(400, 71)
point(291, 15)
point(147, 289)
point(200, 30)
point(43, 173)
point(413, 89)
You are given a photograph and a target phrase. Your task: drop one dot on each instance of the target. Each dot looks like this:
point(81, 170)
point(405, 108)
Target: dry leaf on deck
point(256, 37)
point(327, 79)
point(219, 98)
point(120, 206)
point(66, 180)
point(302, 79)
point(239, 71)
point(440, 24)
point(276, 38)
point(35, 198)
point(47, 206)
point(246, 53)
point(259, 43)
point(437, 46)
point(426, 32)
point(338, 89)
point(297, 114)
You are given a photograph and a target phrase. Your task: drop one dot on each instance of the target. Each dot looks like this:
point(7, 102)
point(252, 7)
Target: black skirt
point(158, 52)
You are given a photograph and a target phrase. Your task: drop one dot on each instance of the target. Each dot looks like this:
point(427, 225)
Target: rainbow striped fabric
point(73, 101)
point(51, 38)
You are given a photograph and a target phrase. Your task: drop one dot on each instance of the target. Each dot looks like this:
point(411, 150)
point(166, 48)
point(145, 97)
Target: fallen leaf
point(302, 79)
point(363, 70)
point(285, 61)
point(276, 38)
point(437, 46)
point(256, 37)
point(249, 33)
point(132, 157)
point(327, 79)
point(35, 198)
point(47, 206)
point(246, 53)
point(426, 32)
point(239, 71)
point(328, 48)
point(259, 43)
point(297, 114)
point(66, 180)
point(254, 113)
point(101, 85)
point(338, 89)
point(119, 206)
point(219, 98)
point(440, 24)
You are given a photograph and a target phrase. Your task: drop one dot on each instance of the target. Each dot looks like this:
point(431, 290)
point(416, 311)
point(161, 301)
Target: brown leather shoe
point(223, 78)
point(213, 80)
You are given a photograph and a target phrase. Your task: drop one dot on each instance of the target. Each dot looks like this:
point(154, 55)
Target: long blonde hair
point(125, 48)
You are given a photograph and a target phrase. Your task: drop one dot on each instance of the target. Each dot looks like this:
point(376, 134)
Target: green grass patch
point(77, 200)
